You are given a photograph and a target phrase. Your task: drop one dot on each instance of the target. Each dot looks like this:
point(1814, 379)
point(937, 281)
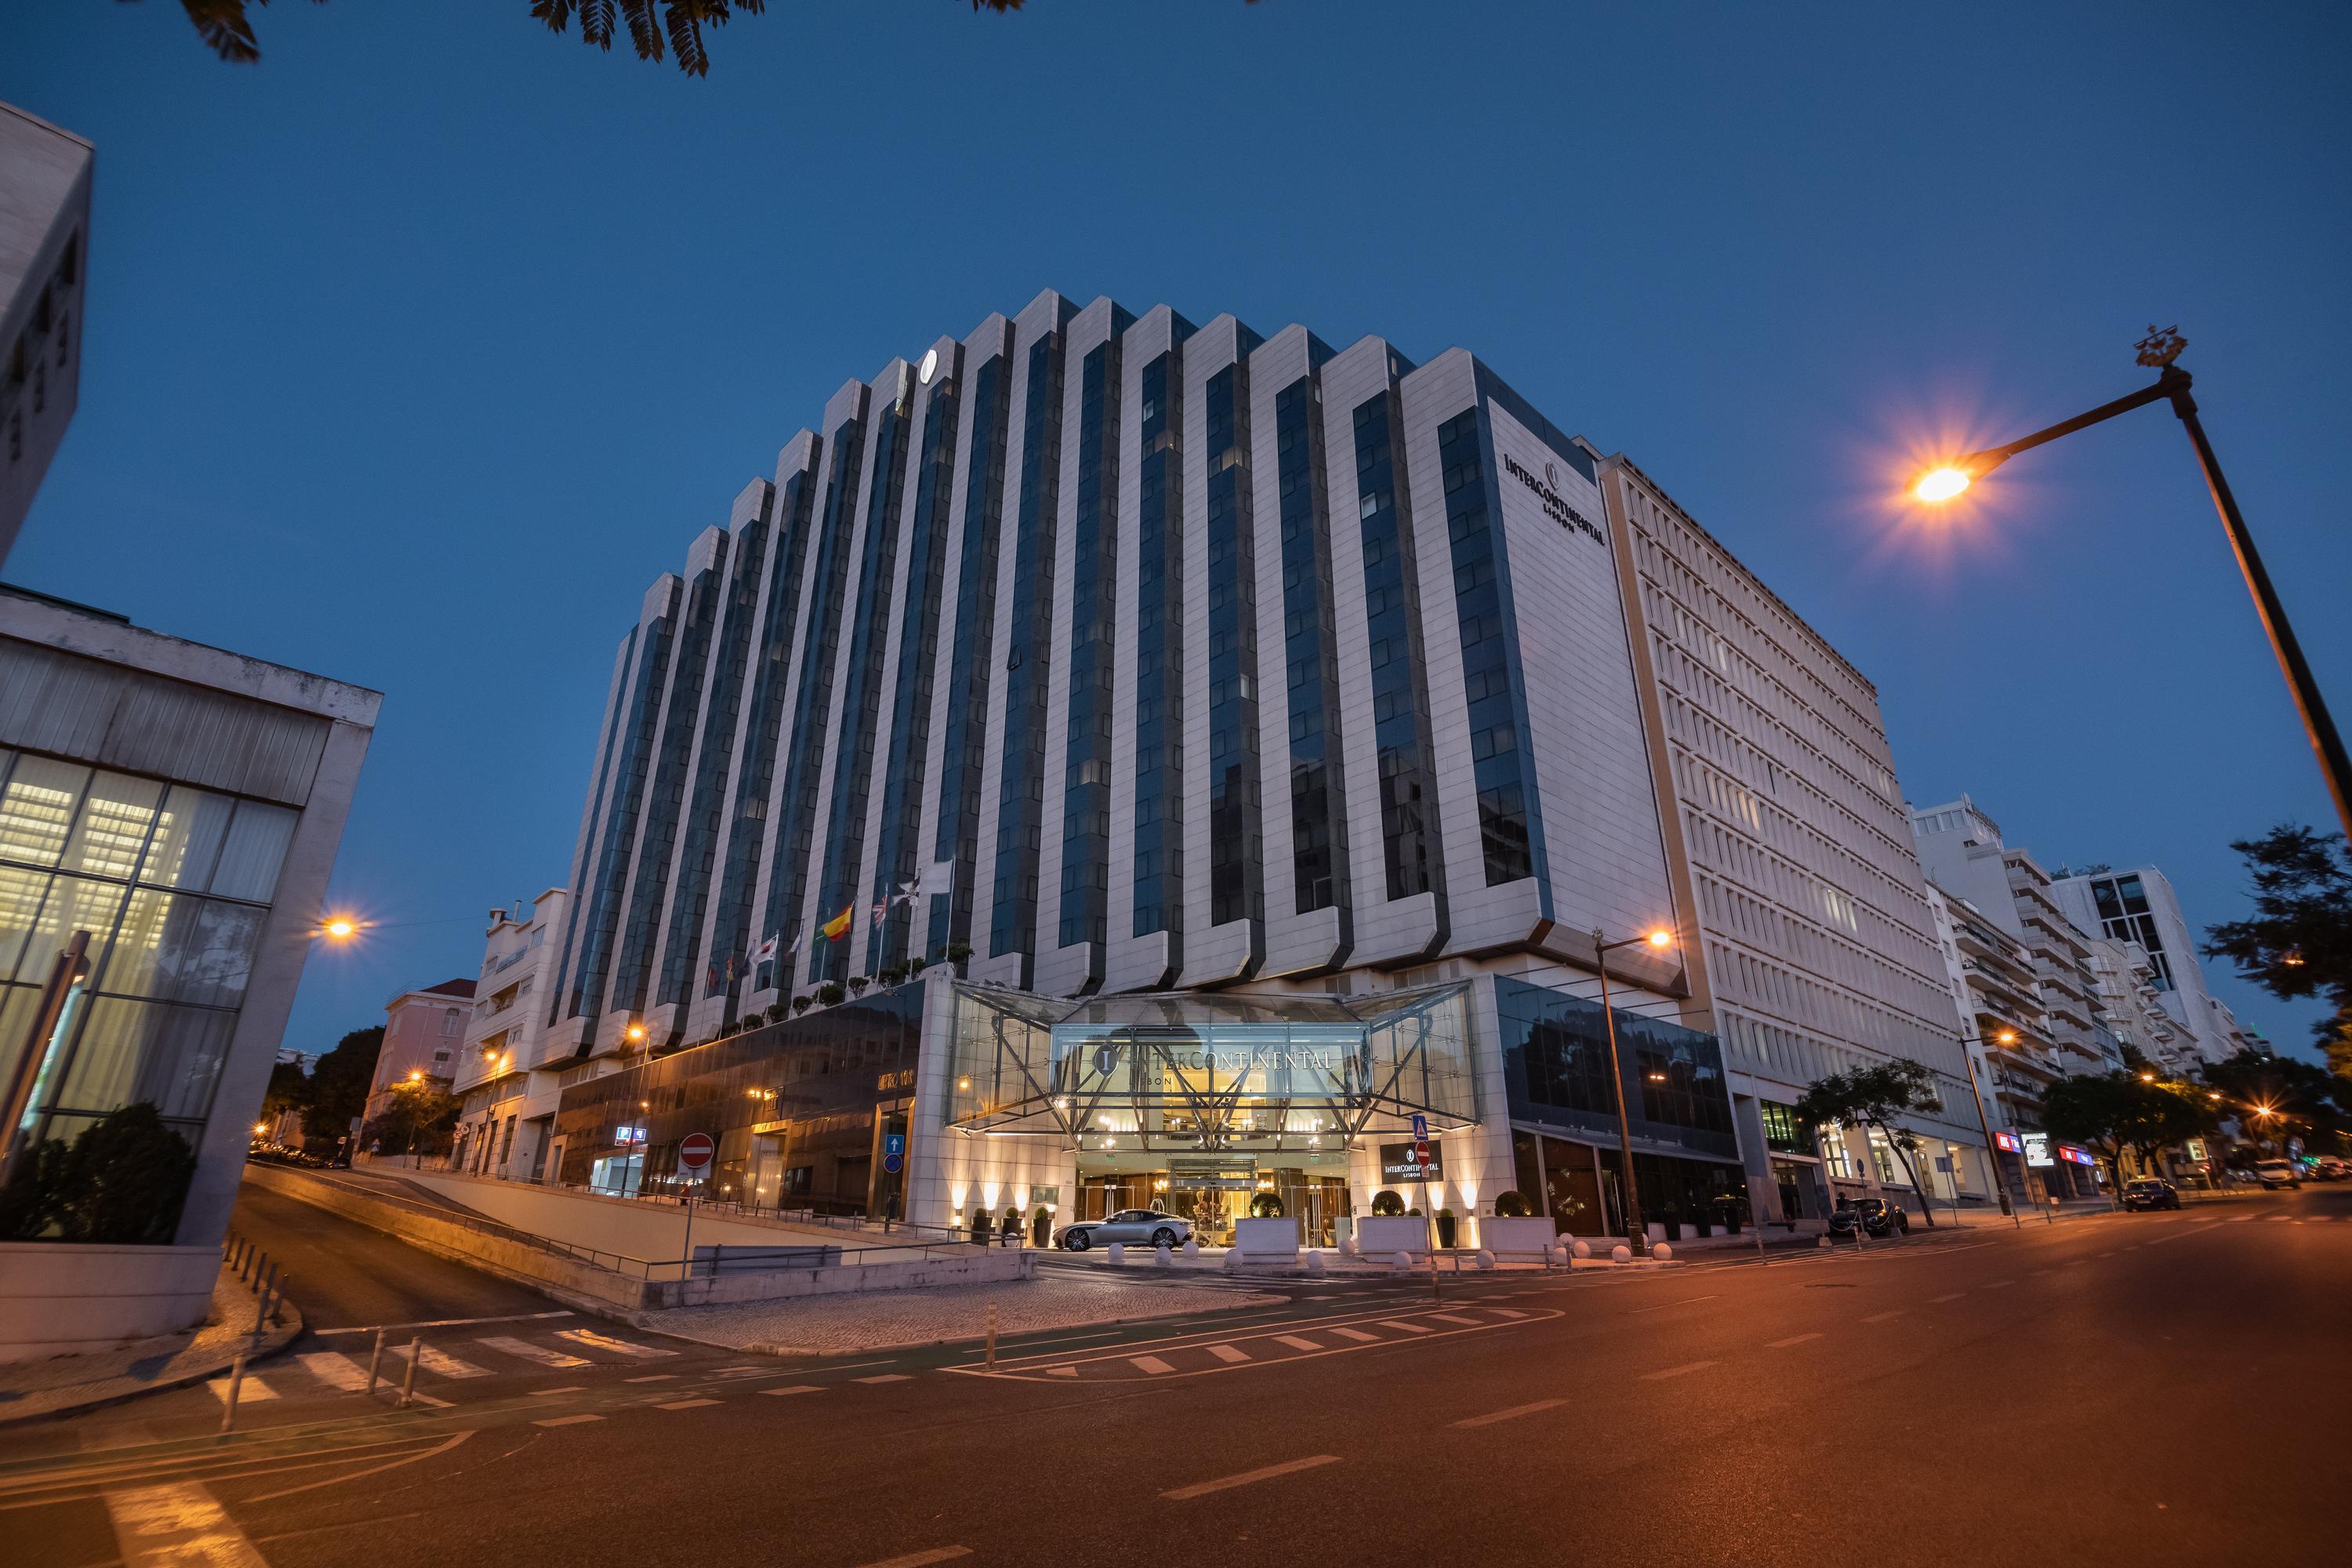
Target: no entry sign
point(694, 1151)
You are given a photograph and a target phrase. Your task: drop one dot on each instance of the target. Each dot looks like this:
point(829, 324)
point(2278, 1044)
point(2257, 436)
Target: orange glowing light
point(1940, 484)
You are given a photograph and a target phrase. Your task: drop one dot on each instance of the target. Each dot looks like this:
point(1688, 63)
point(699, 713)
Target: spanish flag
point(834, 929)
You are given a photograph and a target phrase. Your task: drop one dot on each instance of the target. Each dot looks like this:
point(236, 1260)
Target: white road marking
point(1247, 1477)
point(1456, 1318)
point(529, 1351)
point(1881, 1317)
point(565, 1420)
point(252, 1389)
point(688, 1404)
point(596, 1341)
point(924, 1559)
point(1792, 1339)
point(567, 1388)
point(1684, 1301)
point(1675, 1371)
point(1358, 1335)
point(1506, 1312)
point(177, 1525)
point(334, 1369)
point(882, 1377)
point(1946, 1295)
point(440, 1362)
point(1151, 1364)
point(1514, 1412)
point(653, 1377)
point(1401, 1323)
point(1299, 1342)
point(1061, 1372)
point(1228, 1353)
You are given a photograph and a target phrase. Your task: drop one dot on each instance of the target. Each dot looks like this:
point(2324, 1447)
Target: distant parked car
point(2329, 1168)
point(2278, 1173)
point(1136, 1228)
point(2151, 1193)
point(1876, 1216)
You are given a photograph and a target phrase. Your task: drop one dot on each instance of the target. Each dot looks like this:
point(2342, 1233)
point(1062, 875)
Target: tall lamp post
point(1637, 1235)
point(1992, 1155)
point(2158, 351)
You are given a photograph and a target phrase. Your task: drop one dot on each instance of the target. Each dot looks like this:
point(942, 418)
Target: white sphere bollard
point(1347, 1247)
point(1315, 1263)
point(1233, 1261)
point(1117, 1256)
point(1663, 1253)
point(1402, 1262)
point(1191, 1247)
point(1485, 1258)
point(1581, 1249)
point(1161, 1256)
point(1620, 1253)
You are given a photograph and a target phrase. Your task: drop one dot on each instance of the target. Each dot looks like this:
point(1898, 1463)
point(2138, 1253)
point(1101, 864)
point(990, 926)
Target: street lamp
point(1637, 1237)
point(2158, 351)
point(1992, 1155)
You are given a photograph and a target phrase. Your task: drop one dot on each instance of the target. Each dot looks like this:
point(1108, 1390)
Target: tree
point(339, 1085)
point(1874, 1097)
point(227, 27)
point(290, 1090)
point(2276, 1098)
point(2298, 943)
point(2110, 1112)
point(120, 1182)
point(419, 1120)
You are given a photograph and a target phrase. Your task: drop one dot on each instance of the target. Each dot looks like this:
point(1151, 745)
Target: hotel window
point(1400, 704)
point(1094, 609)
point(1159, 656)
point(1236, 889)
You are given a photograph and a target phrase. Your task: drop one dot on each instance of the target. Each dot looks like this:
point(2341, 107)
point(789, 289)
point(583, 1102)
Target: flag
point(732, 971)
point(881, 911)
point(766, 950)
point(836, 928)
point(907, 891)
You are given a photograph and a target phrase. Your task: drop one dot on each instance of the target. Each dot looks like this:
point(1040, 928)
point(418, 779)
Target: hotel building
point(1116, 763)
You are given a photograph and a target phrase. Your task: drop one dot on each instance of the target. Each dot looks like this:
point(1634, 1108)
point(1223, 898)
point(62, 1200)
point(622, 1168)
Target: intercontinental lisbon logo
point(1547, 489)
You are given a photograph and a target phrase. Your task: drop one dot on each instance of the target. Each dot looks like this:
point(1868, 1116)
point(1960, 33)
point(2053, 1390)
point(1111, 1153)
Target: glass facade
point(1490, 660)
point(897, 846)
point(1160, 654)
point(1093, 624)
point(1013, 914)
point(1555, 1073)
point(731, 935)
point(813, 708)
point(2123, 913)
point(698, 846)
point(1400, 700)
point(1318, 834)
point(599, 915)
point(1236, 850)
point(173, 885)
point(964, 756)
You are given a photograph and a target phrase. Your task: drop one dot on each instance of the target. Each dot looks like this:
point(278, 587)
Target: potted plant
point(916, 966)
point(1445, 1227)
point(857, 984)
point(800, 1006)
point(1266, 1205)
point(1514, 1204)
point(959, 954)
point(828, 994)
point(1387, 1204)
point(778, 1012)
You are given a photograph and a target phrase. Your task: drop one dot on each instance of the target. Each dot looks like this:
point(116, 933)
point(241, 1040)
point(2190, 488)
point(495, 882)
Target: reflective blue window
point(575, 923)
point(1012, 921)
point(598, 924)
point(1236, 853)
point(1319, 834)
point(1400, 700)
point(1490, 661)
point(964, 755)
point(1160, 654)
point(1093, 619)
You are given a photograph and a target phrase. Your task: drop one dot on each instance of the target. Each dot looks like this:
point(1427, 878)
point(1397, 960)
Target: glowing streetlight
point(2148, 1077)
point(1637, 1235)
point(1940, 484)
point(2007, 1037)
point(634, 1032)
point(1659, 939)
point(261, 1127)
point(339, 927)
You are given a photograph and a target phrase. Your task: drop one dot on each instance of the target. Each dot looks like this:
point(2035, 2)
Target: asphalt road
point(2152, 1389)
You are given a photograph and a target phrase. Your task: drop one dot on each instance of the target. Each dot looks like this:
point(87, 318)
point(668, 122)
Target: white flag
point(766, 950)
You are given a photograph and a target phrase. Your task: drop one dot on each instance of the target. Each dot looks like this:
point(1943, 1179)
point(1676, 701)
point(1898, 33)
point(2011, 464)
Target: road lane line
point(530, 1351)
point(688, 1404)
point(653, 1377)
point(1792, 1339)
point(1151, 1364)
point(796, 1388)
point(596, 1341)
point(1881, 1317)
point(334, 1369)
point(924, 1559)
point(883, 1377)
point(1247, 1477)
point(178, 1525)
point(1457, 1318)
point(1299, 1342)
point(1358, 1335)
point(1512, 1414)
point(1684, 1301)
point(253, 1388)
point(565, 1420)
point(1061, 1372)
point(1508, 1311)
point(445, 1323)
point(1675, 1371)
point(440, 1362)
point(1401, 1323)
point(567, 1388)
point(1228, 1352)
point(1947, 1295)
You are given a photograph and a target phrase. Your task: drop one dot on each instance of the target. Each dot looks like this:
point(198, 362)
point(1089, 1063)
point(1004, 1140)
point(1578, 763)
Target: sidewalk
point(33, 1389)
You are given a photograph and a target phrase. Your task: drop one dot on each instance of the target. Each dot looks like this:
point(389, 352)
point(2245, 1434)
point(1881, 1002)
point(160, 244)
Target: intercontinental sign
point(1553, 501)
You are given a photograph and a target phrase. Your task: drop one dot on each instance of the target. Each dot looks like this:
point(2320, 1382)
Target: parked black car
point(2151, 1193)
point(1877, 1216)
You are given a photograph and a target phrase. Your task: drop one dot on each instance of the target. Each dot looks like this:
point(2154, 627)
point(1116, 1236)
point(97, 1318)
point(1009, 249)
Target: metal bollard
point(376, 1360)
point(261, 1299)
point(278, 1298)
point(236, 1386)
point(992, 1336)
point(408, 1384)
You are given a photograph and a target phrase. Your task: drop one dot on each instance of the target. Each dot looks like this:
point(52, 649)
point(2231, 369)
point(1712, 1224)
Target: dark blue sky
point(418, 351)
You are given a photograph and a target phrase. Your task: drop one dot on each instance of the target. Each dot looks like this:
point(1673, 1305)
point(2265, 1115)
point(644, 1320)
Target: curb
point(269, 1345)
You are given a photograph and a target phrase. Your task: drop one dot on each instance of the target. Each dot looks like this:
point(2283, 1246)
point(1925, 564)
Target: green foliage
point(290, 1090)
point(339, 1085)
point(800, 1006)
point(420, 1121)
point(2298, 941)
point(857, 984)
point(779, 1011)
point(120, 1182)
point(1513, 1205)
point(1874, 1097)
point(890, 975)
point(1387, 1203)
point(916, 966)
point(2305, 1102)
point(2110, 1112)
point(829, 992)
point(959, 952)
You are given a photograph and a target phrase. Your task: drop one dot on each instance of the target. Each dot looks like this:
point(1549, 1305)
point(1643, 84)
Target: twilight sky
point(418, 351)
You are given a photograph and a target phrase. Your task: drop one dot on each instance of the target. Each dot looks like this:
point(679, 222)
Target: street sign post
point(894, 1151)
point(1420, 1158)
point(694, 1153)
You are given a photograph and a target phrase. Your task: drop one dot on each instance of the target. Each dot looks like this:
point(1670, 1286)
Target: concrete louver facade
point(1137, 656)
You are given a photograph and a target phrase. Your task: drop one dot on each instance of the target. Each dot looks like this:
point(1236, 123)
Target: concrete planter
point(1382, 1234)
point(1524, 1240)
point(1266, 1238)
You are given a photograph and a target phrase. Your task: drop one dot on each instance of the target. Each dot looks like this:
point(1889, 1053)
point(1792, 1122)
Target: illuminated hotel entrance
point(1213, 1106)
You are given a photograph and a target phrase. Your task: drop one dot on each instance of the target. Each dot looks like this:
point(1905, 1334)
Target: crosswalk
point(456, 1359)
point(1193, 1352)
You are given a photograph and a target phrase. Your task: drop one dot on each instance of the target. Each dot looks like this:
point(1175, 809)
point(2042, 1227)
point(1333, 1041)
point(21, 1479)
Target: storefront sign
point(2078, 1155)
point(1554, 503)
point(1397, 1164)
point(2037, 1149)
point(627, 1136)
point(2008, 1143)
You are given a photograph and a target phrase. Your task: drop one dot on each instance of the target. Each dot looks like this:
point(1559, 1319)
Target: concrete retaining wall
point(64, 1298)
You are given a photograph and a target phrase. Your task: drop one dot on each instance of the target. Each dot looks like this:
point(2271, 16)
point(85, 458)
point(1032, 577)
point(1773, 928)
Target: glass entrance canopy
point(1195, 1071)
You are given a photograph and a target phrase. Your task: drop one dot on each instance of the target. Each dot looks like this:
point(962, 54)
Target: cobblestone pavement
point(843, 1324)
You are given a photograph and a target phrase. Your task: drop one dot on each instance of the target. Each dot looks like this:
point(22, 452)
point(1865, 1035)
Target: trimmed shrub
point(1514, 1204)
point(1387, 1203)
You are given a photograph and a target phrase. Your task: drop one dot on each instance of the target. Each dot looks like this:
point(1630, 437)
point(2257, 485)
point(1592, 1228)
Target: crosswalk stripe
point(882, 1377)
point(596, 1341)
point(178, 1525)
point(252, 1389)
point(1401, 1323)
point(1228, 1353)
point(440, 1362)
point(688, 1404)
point(796, 1388)
point(1151, 1364)
point(335, 1370)
point(543, 1354)
point(1358, 1335)
point(1457, 1318)
point(1061, 1372)
point(1506, 1312)
point(1299, 1342)
point(565, 1420)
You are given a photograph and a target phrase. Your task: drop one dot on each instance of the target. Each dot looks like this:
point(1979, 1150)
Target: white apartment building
point(2131, 1002)
point(2138, 905)
point(505, 1084)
